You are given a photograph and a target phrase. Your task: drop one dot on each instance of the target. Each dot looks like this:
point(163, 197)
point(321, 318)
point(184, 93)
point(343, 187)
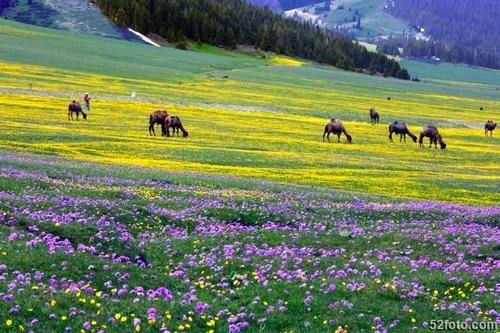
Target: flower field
point(252, 223)
point(89, 248)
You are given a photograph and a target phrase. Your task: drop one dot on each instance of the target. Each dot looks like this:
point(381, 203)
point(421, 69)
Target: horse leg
point(404, 137)
point(338, 135)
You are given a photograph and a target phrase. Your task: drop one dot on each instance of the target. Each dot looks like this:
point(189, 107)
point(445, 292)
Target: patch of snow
point(144, 38)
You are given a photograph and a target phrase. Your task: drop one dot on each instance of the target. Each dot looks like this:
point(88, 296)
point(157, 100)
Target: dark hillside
point(462, 30)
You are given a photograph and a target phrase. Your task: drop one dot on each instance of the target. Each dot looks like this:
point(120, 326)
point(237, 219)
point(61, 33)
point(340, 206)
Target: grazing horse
point(489, 127)
point(400, 128)
point(336, 127)
point(432, 133)
point(157, 117)
point(374, 115)
point(175, 123)
point(75, 107)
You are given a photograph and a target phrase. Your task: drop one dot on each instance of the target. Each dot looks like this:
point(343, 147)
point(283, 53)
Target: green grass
point(264, 121)
point(460, 75)
point(86, 53)
point(180, 204)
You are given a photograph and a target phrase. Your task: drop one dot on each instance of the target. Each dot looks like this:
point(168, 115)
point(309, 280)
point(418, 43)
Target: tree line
point(228, 23)
point(449, 52)
point(461, 30)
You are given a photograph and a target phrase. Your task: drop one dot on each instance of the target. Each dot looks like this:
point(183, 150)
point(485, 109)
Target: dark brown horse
point(175, 123)
point(157, 117)
point(400, 128)
point(336, 127)
point(374, 116)
point(75, 107)
point(489, 127)
point(432, 133)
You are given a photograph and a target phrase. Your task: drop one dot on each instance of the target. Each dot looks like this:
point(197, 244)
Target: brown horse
point(489, 127)
point(157, 117)
point(374, 116)
point(175, 123)
point(400, 128)
point(432, 133)
point(75, 107)
point(336, 127)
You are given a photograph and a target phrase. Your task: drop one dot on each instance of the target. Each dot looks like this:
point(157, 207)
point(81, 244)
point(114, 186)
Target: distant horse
point(336, 127)
point(432, 133)
point(400, 128)
point(489, 127)
point(75, 107)
point(175, 123)
point(157, 117)
point(374, 116)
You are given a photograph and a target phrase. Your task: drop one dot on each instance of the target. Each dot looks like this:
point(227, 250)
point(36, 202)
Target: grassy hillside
point(374, 21)
point(453, 73)
point(74, 15)
point(264, 121)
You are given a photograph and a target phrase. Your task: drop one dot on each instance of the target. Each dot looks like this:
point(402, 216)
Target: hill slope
point(461, 31)
point(264, 121)
point(360, 18)
point(73, 15)
point(470, 23)
point(231, 22)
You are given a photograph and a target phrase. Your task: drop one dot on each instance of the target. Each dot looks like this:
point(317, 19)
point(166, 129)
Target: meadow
point(92, 248)
point(252, 223)
point(264, 121)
